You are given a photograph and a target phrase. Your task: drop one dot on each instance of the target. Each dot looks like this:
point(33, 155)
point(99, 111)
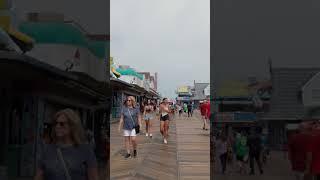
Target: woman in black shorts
point(164, 119)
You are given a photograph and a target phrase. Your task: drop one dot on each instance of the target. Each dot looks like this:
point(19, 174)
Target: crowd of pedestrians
point(304, 151)
point(244, 148)
point(131, 120)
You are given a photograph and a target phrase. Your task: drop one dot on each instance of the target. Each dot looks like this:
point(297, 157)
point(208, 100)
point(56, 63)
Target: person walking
point(189, 106)
point(207, 111)
point(68, 156)
point(241, 152)
point(297, 151)
point(313, 153)
point(185, 107)
point(254, 144)
point(164, 119)
point(203, 114)
point(265, 149)
point(147, 114)
point(172, 108)
point(222, 152)
point(130, 120)
point(179, 109)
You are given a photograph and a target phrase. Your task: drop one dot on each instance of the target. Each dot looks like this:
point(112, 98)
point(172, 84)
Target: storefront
point(234, 122)
point(31, 97)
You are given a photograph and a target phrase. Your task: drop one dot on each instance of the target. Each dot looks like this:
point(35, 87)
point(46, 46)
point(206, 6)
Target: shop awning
point(129, 72)
point(20, 36)
point(32, 68)
point(24, 42)
point(64, 33)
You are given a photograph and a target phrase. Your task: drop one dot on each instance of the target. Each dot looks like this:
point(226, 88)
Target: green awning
point(62, 33)
point(130, 72)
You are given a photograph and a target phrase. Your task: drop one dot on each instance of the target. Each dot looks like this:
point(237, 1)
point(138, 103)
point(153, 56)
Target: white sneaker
point(165, 141)
point(147, 134)
point(150, 135)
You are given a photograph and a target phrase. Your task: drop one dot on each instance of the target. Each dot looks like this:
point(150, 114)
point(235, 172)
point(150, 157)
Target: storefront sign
point(183, 89)
point(186, 98)
point(235, 117)
point(224, 117)
point(243, 116)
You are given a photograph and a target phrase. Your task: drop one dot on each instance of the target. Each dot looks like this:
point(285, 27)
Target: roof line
point(310, 80)
point(295, 68)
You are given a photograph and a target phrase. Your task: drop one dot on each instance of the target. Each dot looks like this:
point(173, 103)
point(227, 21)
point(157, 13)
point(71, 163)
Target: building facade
point(293, 99)
point(56, 74)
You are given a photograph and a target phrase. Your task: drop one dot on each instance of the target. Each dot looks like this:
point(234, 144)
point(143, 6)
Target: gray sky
point(247, 31)
point(171, 37)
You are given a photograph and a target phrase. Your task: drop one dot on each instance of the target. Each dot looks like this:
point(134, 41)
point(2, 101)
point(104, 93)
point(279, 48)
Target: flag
point(77, 58)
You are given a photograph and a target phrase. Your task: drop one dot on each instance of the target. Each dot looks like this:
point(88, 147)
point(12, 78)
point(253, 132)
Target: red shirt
point(207, 107)
point(297, 151)
point(203, 109)
point(314, 147)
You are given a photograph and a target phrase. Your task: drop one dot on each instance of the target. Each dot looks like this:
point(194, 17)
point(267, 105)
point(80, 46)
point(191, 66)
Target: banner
point(183, 89)
point(235, 117)
point(185, 98)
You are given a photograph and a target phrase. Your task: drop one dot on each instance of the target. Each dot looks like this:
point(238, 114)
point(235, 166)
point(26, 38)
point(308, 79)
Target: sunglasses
point(129, 100)
point(62, 124)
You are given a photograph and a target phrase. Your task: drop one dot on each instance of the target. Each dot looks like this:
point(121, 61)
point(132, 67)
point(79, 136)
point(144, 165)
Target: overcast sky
point(247, 31)
point(171, 37)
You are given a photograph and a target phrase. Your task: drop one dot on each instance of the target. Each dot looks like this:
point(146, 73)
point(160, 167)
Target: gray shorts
point(148, 117)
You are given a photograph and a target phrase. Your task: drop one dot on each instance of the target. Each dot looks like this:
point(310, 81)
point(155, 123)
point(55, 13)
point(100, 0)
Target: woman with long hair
point(130, 118)
point(164, 119)
point(68, 156)
point(147, 114)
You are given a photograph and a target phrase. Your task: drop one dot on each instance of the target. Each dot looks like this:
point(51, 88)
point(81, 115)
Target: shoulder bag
point(136, 126)
point(60, 156)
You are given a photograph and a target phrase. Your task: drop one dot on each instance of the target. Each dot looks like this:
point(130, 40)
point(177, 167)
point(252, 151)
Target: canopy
point(130, 72)
point(24, 42)
point(63, 33)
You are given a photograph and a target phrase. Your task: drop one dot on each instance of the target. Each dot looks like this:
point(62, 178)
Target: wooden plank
point(193, 148)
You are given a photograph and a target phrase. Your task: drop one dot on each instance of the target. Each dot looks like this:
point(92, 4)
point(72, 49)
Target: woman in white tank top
point(164, 119)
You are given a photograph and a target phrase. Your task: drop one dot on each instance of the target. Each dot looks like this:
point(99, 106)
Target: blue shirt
point(77, 159)
point(128, 123)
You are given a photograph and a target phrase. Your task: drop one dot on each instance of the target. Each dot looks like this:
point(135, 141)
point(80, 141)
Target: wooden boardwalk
point(193, 148)
point(186, 156)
